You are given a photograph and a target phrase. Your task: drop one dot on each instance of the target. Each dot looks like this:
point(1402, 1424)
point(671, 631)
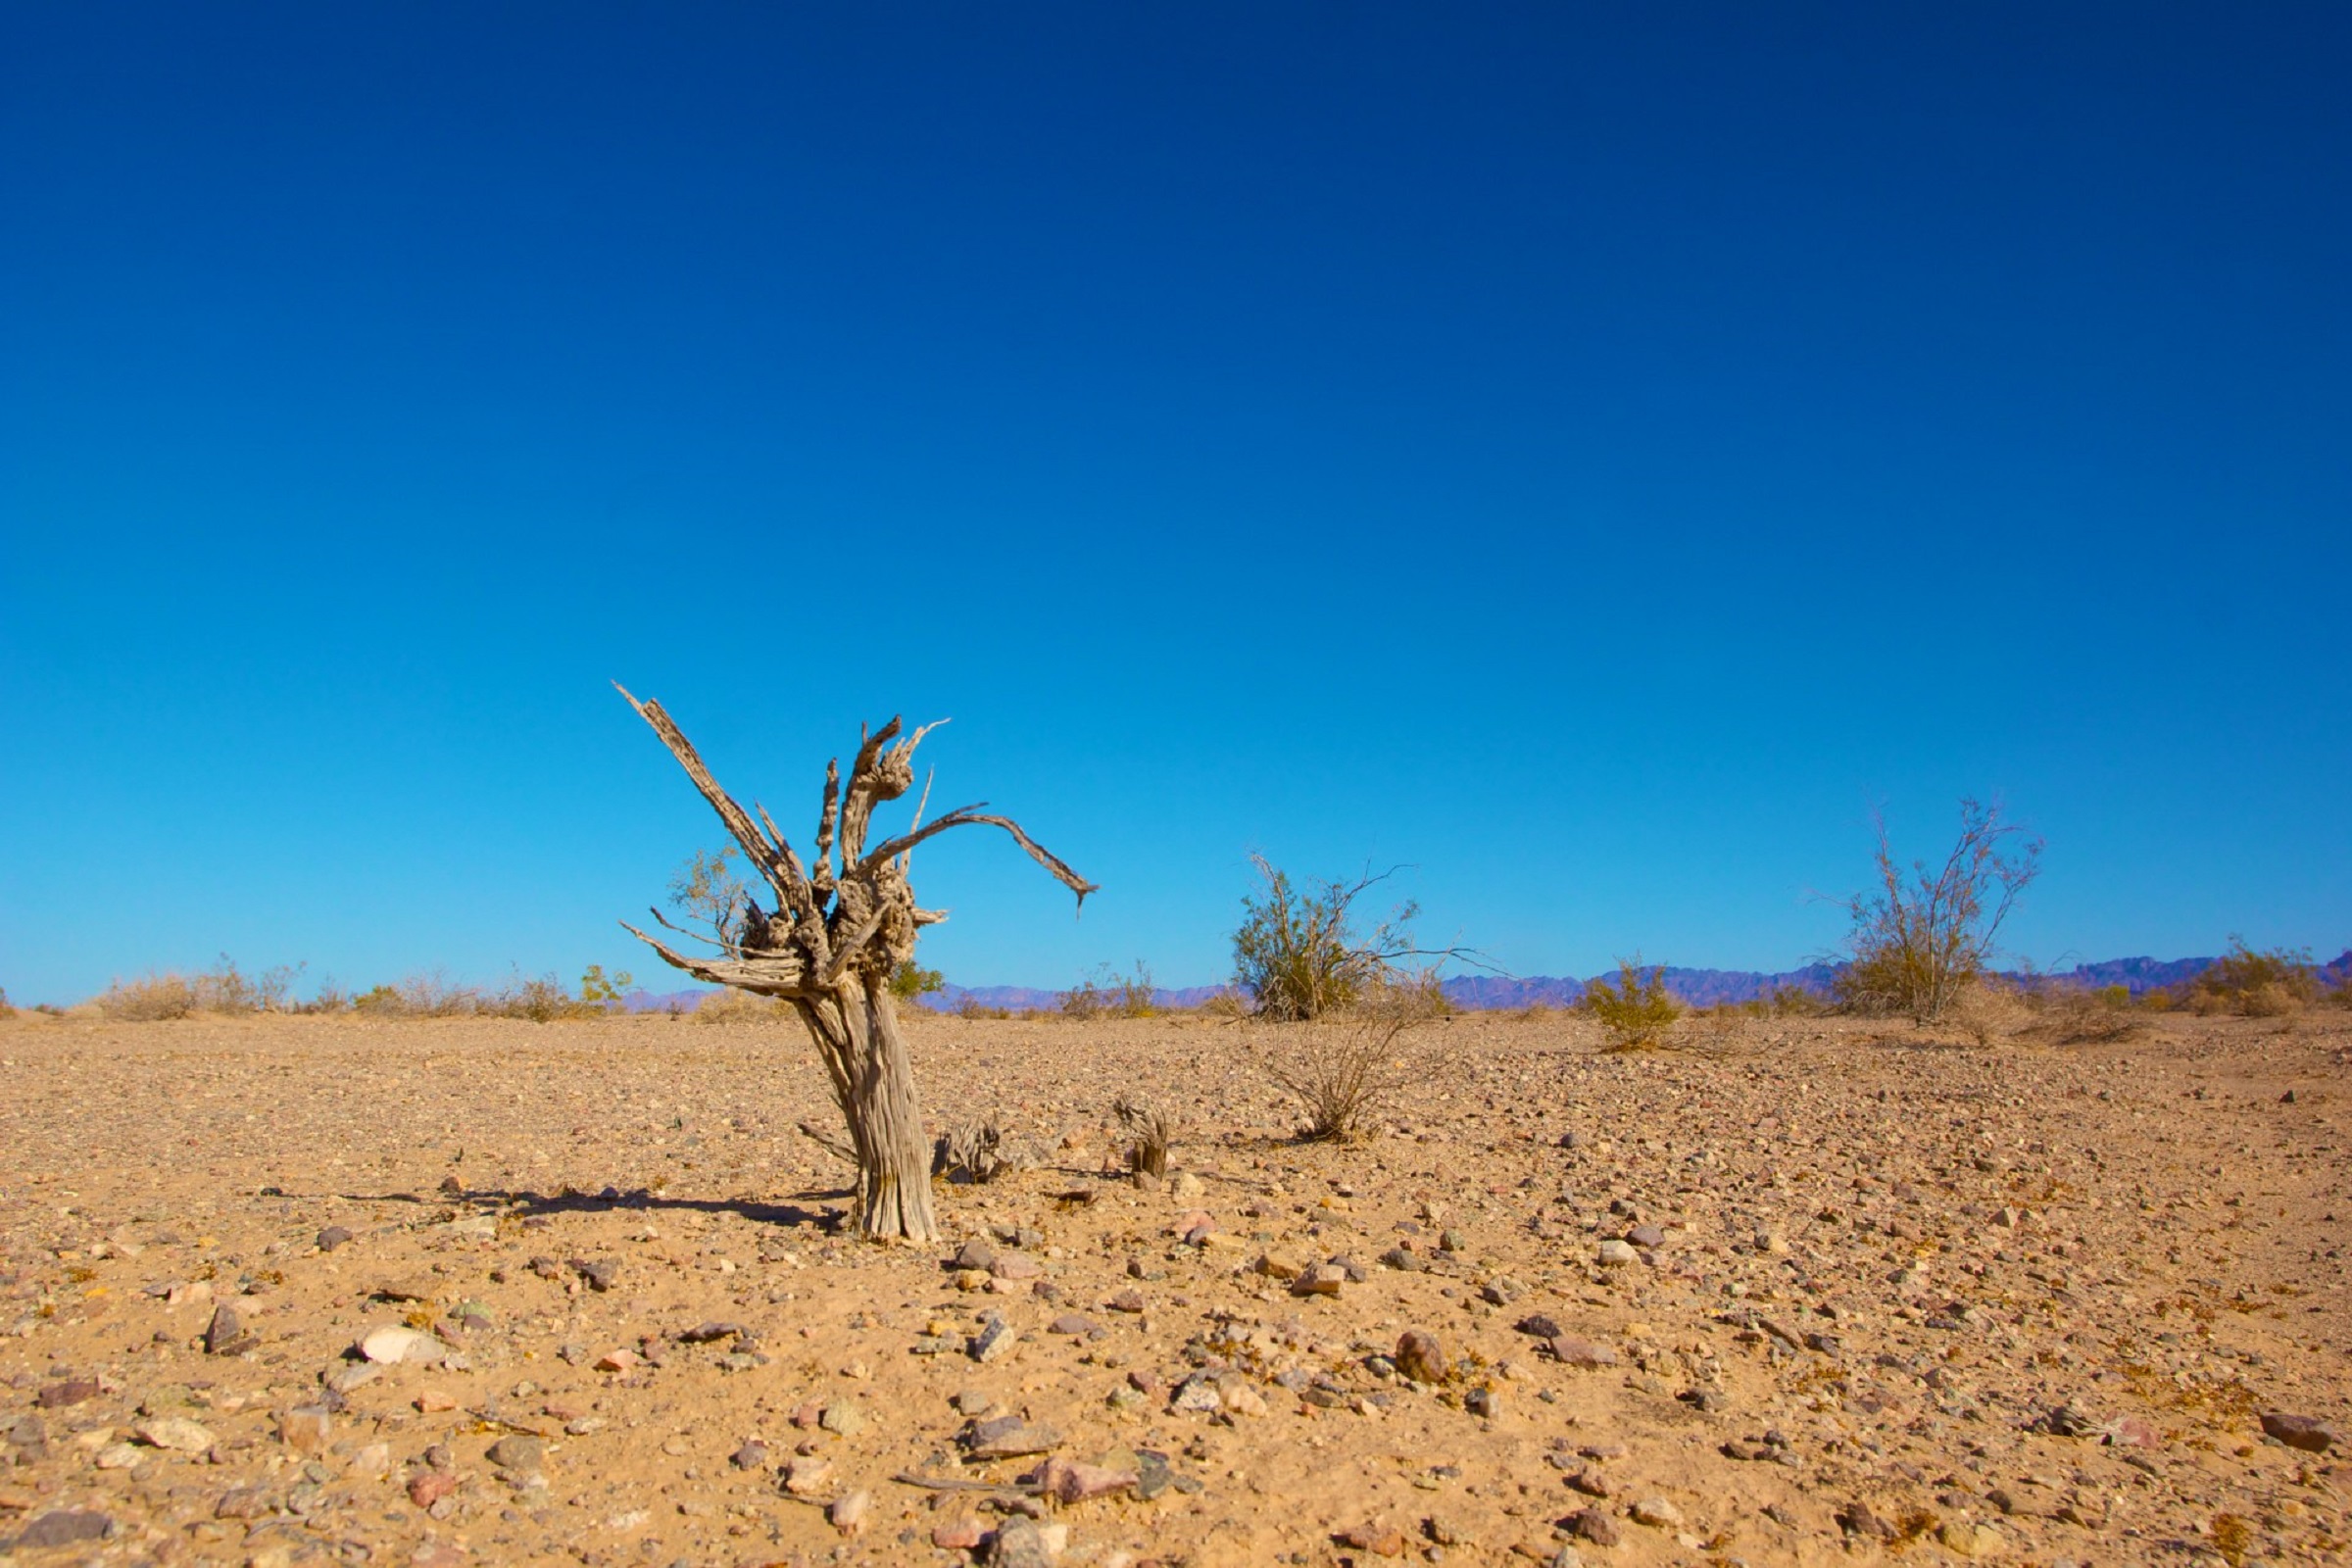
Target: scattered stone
point(808, 1475)
point(600, 1273)
point(306, 1429)
point(848, 1514)
point(428, 1487)
point(63, 1395)
point(1647, 1236)
point(1591, 1524)
point(2305, 1432)
point(227, 1334)
point(402, 1290)
point(1593, 1482)
point(1323, 1279)
point(622, 1360)
point(1126, 1301)
point(974, 1255)
point(753, 1455)
point(1277, 1266)
point(842, 1418)
point(706, 1332)
point(353, 1375)
point(333, 1237)
point(243, 1502)
point(994, 1339)
point(1657, 1513)
point(1016, 1266)
point(1198, 1394)
point(1008, 1437)
point(518, 1451)
point(1617, 1254)
point(1965, 1540)
point(1502, 1291)
point(64, 1527)
point(118, 1456)
point(1070, 1482)
point(1020, 1542)
point(174, 1433)
point(400, 1344)
point(1404, 1259)
point(960, 1535)
point(1421, 1356)
point(1570, 1351)
point(1071, 1323)
point(1857, 1519)
point(1380, 1541)
point(1539, 1325)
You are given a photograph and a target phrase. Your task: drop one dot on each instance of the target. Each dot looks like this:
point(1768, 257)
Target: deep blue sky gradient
point(1588, 454)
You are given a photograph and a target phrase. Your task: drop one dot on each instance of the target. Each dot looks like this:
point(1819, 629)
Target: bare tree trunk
point(838, 929)
point(886, 1122)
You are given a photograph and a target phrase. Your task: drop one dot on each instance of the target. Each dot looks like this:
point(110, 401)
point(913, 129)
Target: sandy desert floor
point(1870, 1297)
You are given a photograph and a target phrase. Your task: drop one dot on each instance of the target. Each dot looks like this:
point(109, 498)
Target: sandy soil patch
point(1814, 1293)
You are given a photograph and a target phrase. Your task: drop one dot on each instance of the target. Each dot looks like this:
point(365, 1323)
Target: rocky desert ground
point(322, 1290)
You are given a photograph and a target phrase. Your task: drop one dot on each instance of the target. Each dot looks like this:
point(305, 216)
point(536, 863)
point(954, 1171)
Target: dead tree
point(838, 929)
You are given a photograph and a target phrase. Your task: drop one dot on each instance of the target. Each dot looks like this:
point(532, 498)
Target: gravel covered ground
point(1795, 1291)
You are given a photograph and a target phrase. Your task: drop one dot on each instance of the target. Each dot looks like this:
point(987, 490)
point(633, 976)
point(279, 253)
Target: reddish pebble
point(960, 1535)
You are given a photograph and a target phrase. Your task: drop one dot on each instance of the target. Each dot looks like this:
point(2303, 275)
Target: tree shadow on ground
point(787, 1211)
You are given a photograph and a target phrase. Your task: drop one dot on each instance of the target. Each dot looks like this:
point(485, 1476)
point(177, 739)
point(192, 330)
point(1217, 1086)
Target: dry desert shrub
point(1987, 1013)
point(1151, 1132)
point(1344, 1070)
point(976, 1151)
point(2067, 1014)
point(152, 999)
point(222, 989)
point(2274, 983)
point(735, 1006)
point(6, 1012)
point(1107, 994)
point(1921, 940)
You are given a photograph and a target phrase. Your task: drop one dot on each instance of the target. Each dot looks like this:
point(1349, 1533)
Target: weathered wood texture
point(838, 928)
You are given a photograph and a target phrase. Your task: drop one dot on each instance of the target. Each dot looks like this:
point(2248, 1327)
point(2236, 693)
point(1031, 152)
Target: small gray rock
point(1021, 1544)
point(994, 1339)
point(64, 1527)
point(1008, 1437)
point(518, 1451)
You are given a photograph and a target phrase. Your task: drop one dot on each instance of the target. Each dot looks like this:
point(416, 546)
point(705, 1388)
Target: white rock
point(176, 1432)
point(400, 1344)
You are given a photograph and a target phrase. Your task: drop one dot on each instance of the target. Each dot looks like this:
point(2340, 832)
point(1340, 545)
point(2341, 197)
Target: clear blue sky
point(1587, 454)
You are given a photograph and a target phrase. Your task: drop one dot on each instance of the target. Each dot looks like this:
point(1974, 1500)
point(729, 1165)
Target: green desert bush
point(911, 980)
point(1299, 952)
point(1635, 1012)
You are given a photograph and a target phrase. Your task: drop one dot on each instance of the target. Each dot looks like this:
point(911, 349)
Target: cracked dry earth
point(1802, 1291)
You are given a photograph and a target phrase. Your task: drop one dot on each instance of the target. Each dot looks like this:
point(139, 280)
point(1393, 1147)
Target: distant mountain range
point(1698, 988)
